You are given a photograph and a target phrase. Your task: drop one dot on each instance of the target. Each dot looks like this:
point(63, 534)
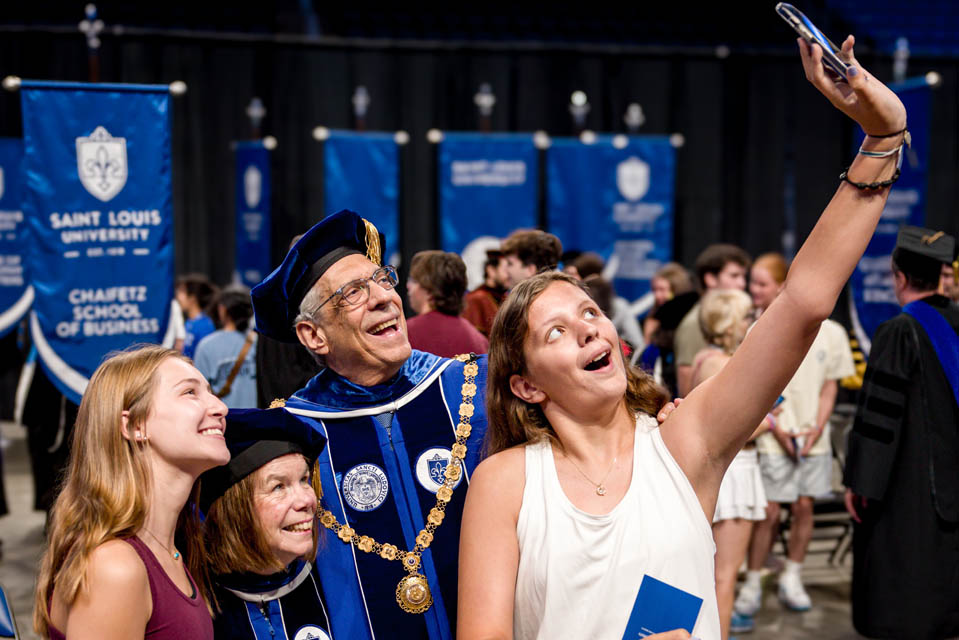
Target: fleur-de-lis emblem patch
point(102, 164)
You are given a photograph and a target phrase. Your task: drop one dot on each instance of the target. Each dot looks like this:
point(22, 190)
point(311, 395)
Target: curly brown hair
point(443, 275)
point(513, 421)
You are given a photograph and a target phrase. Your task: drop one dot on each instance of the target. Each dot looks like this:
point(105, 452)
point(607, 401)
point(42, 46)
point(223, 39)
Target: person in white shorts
point(724, 316)
point(796, 455)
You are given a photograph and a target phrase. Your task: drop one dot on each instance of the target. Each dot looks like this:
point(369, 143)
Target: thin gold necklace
point(176, 554)
point(600, 487)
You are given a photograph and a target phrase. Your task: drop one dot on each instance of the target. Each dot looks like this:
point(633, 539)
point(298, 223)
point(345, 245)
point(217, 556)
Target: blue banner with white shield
point(873, 298)
point(362, 173)
point(98, 208)
point(253, 193)
point(614, 196)
point(489, 186)
point(16, 295)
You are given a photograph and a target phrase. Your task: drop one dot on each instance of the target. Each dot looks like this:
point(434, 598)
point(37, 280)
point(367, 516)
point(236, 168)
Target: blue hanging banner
point(489, 186)
point(615, 197)
point(253, 192)
point(16, 295)
point(98, 208)
point(362, 173)
point(873, 298)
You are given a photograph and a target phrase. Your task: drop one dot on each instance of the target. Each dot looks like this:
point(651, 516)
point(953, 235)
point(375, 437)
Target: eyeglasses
point(356, 292)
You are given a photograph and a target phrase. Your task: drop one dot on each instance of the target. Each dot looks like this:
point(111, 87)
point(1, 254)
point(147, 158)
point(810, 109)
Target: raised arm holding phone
point(592, 459)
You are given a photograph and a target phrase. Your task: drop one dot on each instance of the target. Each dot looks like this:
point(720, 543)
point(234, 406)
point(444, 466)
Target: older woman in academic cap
point(260, 530)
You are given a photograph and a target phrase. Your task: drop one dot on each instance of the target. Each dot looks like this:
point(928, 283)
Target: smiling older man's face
point(366, 343)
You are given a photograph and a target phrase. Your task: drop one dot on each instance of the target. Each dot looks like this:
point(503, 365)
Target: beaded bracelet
point(864, 186)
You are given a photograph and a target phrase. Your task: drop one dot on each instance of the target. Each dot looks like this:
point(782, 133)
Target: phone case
point(811, 34)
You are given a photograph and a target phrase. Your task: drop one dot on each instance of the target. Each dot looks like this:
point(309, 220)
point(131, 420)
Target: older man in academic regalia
point(902, 466)
point(391, 416)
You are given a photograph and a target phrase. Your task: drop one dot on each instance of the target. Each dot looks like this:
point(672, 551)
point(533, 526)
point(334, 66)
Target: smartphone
point(804, 27)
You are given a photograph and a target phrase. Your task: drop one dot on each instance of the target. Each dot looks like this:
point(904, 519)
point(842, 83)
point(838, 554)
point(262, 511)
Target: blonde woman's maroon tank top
point(175, 615)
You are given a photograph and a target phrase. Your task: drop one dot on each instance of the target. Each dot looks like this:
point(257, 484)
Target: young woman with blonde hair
point(583, 497)
point(725, 316)
point(148, 426)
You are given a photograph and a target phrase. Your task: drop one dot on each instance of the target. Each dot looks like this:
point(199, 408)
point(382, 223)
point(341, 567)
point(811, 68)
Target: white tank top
point(579, 573)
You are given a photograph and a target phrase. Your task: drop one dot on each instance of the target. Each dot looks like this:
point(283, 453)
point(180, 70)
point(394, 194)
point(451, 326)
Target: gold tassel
point(374, 252)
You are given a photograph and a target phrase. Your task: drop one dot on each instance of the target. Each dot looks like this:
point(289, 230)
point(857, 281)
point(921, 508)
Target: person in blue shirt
point(194, 292)
point(227, 357)
point(404, 432)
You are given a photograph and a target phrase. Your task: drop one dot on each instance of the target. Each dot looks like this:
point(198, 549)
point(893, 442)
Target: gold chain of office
point(413, 592)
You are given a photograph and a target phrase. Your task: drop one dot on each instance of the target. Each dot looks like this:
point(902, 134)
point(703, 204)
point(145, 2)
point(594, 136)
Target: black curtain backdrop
point(748, 120)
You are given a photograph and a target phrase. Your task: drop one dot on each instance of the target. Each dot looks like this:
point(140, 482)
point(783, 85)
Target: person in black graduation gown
point(902, 465)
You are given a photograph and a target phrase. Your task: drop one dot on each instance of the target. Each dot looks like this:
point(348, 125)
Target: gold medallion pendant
point(413, 594)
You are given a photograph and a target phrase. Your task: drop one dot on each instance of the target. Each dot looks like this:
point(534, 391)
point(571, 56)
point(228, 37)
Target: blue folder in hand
point(660, 607)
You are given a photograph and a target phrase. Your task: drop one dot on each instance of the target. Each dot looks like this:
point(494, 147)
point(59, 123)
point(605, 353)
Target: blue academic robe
point(285, 606)
point(387, 449)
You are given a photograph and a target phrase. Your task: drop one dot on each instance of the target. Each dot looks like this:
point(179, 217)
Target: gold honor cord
point(413, 592)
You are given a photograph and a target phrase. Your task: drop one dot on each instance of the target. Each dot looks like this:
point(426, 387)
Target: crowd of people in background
point(565, 423)
point(687, 335)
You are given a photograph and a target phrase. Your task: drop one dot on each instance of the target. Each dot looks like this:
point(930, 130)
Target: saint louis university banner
point(873, 299)
point(614, 197)
point(98, 209)
point(15, 294)
point(361, 173)
point(488, 186)
point(253, 190)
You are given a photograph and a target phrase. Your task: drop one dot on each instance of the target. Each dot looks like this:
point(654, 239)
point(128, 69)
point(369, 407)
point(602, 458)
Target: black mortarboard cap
point(276, 300)
point(254, 437)
point(927, 243)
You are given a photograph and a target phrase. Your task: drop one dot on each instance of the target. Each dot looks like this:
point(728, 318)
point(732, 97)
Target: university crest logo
point(632, 178)
point(102, 164)
point(365, 487)
point(310, 632)
point(431, 468)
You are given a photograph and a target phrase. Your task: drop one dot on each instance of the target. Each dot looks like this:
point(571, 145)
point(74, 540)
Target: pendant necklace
point(176, 554)
point(600, 486)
